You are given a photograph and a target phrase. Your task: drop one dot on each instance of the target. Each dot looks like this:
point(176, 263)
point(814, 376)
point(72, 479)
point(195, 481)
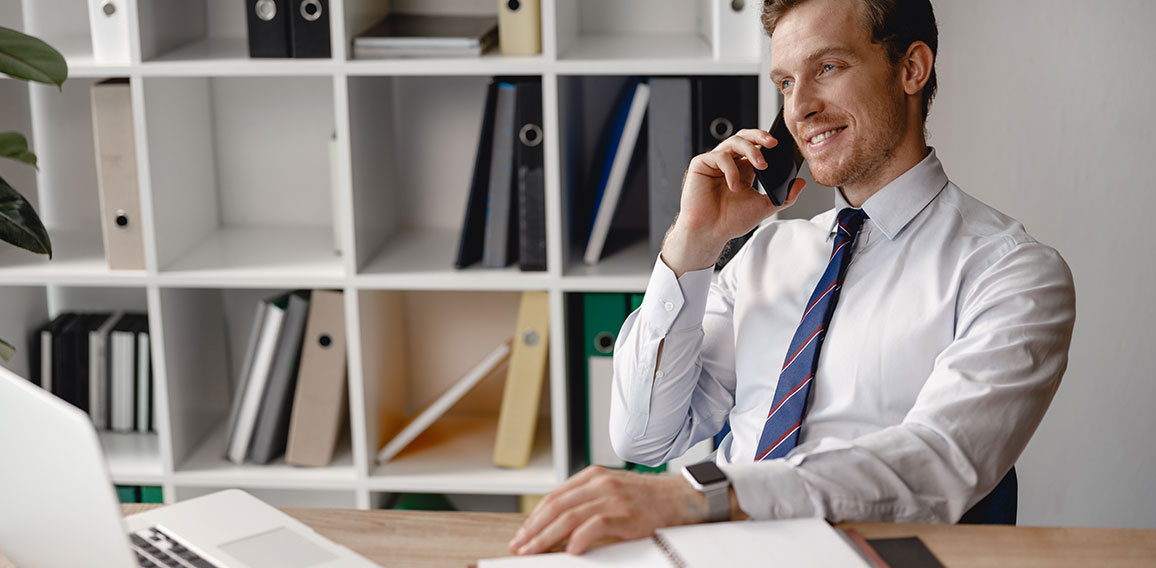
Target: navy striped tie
point(781, 430)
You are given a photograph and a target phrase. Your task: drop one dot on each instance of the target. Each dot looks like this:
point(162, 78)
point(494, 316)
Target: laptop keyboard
point(155, 549)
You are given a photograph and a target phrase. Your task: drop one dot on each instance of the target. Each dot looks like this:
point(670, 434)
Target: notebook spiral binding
point(671, 555)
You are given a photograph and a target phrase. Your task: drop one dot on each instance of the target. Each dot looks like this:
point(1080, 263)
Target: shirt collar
point(897, 203)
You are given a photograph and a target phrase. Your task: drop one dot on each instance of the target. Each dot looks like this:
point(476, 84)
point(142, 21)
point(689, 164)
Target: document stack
point(505, 218)
point(420, 35)
point(99, 362)
point(290, 395)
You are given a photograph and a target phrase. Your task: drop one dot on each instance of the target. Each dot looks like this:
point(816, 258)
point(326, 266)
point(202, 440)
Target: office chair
point(999, 507)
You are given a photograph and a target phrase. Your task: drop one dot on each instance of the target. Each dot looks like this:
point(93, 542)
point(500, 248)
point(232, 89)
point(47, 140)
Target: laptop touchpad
point(278, 548)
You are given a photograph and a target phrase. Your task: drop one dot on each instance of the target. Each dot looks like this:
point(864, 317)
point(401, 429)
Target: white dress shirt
point(947, 343)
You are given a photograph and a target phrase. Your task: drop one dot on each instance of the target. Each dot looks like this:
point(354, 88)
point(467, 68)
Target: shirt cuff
point(674, 303)
point(770, 489)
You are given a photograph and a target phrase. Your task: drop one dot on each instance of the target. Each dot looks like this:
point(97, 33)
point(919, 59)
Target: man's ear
point(917, 65)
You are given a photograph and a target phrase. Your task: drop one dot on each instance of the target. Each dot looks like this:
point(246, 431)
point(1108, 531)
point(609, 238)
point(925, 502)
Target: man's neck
point(906, 156)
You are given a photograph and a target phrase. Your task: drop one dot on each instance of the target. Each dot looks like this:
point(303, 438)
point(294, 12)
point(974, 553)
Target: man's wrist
point(684, 252)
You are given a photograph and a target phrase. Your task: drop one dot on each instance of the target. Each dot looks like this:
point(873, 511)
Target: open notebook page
point(799, 542)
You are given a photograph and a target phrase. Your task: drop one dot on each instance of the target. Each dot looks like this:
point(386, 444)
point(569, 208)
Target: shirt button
point(658, 374)
point(669, 306)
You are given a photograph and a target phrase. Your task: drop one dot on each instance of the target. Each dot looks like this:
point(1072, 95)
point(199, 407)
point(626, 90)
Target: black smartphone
point(783, 163)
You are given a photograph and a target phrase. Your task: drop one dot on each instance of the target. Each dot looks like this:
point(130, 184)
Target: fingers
point(793, 193)
point(563, 525)
point(590, 531)
point(736, 158)
point(573, 492)
point(725, 163)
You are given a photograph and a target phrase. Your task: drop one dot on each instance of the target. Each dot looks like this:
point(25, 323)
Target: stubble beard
point(870, 154)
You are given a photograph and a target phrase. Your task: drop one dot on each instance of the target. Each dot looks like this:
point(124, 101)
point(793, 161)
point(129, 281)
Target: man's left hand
point(597, 502)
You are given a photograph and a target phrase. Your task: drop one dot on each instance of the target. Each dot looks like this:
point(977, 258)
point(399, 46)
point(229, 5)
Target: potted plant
point(24, 57)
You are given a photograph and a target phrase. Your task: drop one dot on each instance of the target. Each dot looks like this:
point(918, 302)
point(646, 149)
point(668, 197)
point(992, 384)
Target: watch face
point(706, 473)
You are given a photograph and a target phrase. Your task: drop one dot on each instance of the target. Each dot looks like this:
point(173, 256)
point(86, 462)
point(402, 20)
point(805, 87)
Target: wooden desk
point(415, 538)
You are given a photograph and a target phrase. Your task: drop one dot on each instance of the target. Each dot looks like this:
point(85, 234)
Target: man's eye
point(785, 84)
point(828, 68)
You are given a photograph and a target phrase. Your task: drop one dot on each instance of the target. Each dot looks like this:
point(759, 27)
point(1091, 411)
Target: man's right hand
point(719, 202)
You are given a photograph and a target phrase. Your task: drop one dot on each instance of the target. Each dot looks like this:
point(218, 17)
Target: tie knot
point(850, 220)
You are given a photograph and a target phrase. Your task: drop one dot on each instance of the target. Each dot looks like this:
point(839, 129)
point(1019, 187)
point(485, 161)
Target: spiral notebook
point(796, 542)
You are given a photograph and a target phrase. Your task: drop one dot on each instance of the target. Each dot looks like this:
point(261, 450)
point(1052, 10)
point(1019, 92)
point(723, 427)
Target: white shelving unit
point(241, 198)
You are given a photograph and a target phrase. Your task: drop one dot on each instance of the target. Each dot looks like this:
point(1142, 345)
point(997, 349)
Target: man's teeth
point(825, 135)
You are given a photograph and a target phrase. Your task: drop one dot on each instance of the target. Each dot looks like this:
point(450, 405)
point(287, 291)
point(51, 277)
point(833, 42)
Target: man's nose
point(804, 102)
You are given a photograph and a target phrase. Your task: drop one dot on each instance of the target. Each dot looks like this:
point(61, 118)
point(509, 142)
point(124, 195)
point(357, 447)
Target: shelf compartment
point(65, 192)
point(202, 381)
point(259, 256)
point(419, 259)
point(206, 36)
point(456, 456)
point(627, 269)
point(291, 498)
point(605, 30)
point(240, 176)
point(413, 142)
point(227, 57)
point(586, 106)
point(414, 346)
point(134, 458)
point(78, 259)
point(64, 25)
point(207, 466)
point(23, 309)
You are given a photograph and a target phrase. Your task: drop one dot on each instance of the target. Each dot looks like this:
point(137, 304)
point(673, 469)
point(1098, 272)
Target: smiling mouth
point(819, 138)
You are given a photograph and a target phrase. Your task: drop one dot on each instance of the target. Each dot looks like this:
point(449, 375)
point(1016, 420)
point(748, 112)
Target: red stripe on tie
point(806, 380)
point(817, 300)
point(790, 431)
point(804, 346)
point(837, 249)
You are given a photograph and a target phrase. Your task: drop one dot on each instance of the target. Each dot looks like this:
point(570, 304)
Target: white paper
point(642, 553)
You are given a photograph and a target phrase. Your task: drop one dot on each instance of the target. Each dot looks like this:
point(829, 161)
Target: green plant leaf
point(19, 223)
point(6, 350)
point(14, 145)
point(25, 57)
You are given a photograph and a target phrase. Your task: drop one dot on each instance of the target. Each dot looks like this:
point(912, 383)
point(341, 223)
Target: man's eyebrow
point(814, 55)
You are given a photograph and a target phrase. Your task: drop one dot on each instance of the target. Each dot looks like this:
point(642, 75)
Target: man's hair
point(894, 23)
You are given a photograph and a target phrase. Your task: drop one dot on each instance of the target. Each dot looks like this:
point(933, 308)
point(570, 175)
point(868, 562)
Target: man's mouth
point(824, 135)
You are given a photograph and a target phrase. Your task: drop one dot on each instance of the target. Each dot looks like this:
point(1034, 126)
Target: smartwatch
point(708, 479)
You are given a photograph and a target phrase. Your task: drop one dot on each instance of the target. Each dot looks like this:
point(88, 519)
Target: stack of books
point(290, 393)
point(99, 362)
point(505, 218)
point(418, 35)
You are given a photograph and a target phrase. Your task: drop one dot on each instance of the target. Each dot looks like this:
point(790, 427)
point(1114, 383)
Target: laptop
point(59, 506)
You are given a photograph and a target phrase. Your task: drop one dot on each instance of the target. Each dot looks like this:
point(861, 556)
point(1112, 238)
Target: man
point(908, 401)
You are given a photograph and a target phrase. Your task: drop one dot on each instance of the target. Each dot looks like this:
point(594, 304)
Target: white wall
point(1046, 111)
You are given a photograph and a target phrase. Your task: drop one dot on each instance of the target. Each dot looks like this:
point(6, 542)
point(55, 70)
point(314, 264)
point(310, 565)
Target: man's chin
point(827, 177)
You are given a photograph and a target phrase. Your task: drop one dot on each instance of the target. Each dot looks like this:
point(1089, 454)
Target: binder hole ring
point(721, 128)
point(121, 219)
point(311, 10)
point(325, 340)
point(530, 338)
point(108, 8)
point(737, 5)
point(604, 342)
point(530, 135)
point(513, 5)
point(266, 10)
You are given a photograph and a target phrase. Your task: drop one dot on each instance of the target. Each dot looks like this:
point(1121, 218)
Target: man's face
point(843, 99)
